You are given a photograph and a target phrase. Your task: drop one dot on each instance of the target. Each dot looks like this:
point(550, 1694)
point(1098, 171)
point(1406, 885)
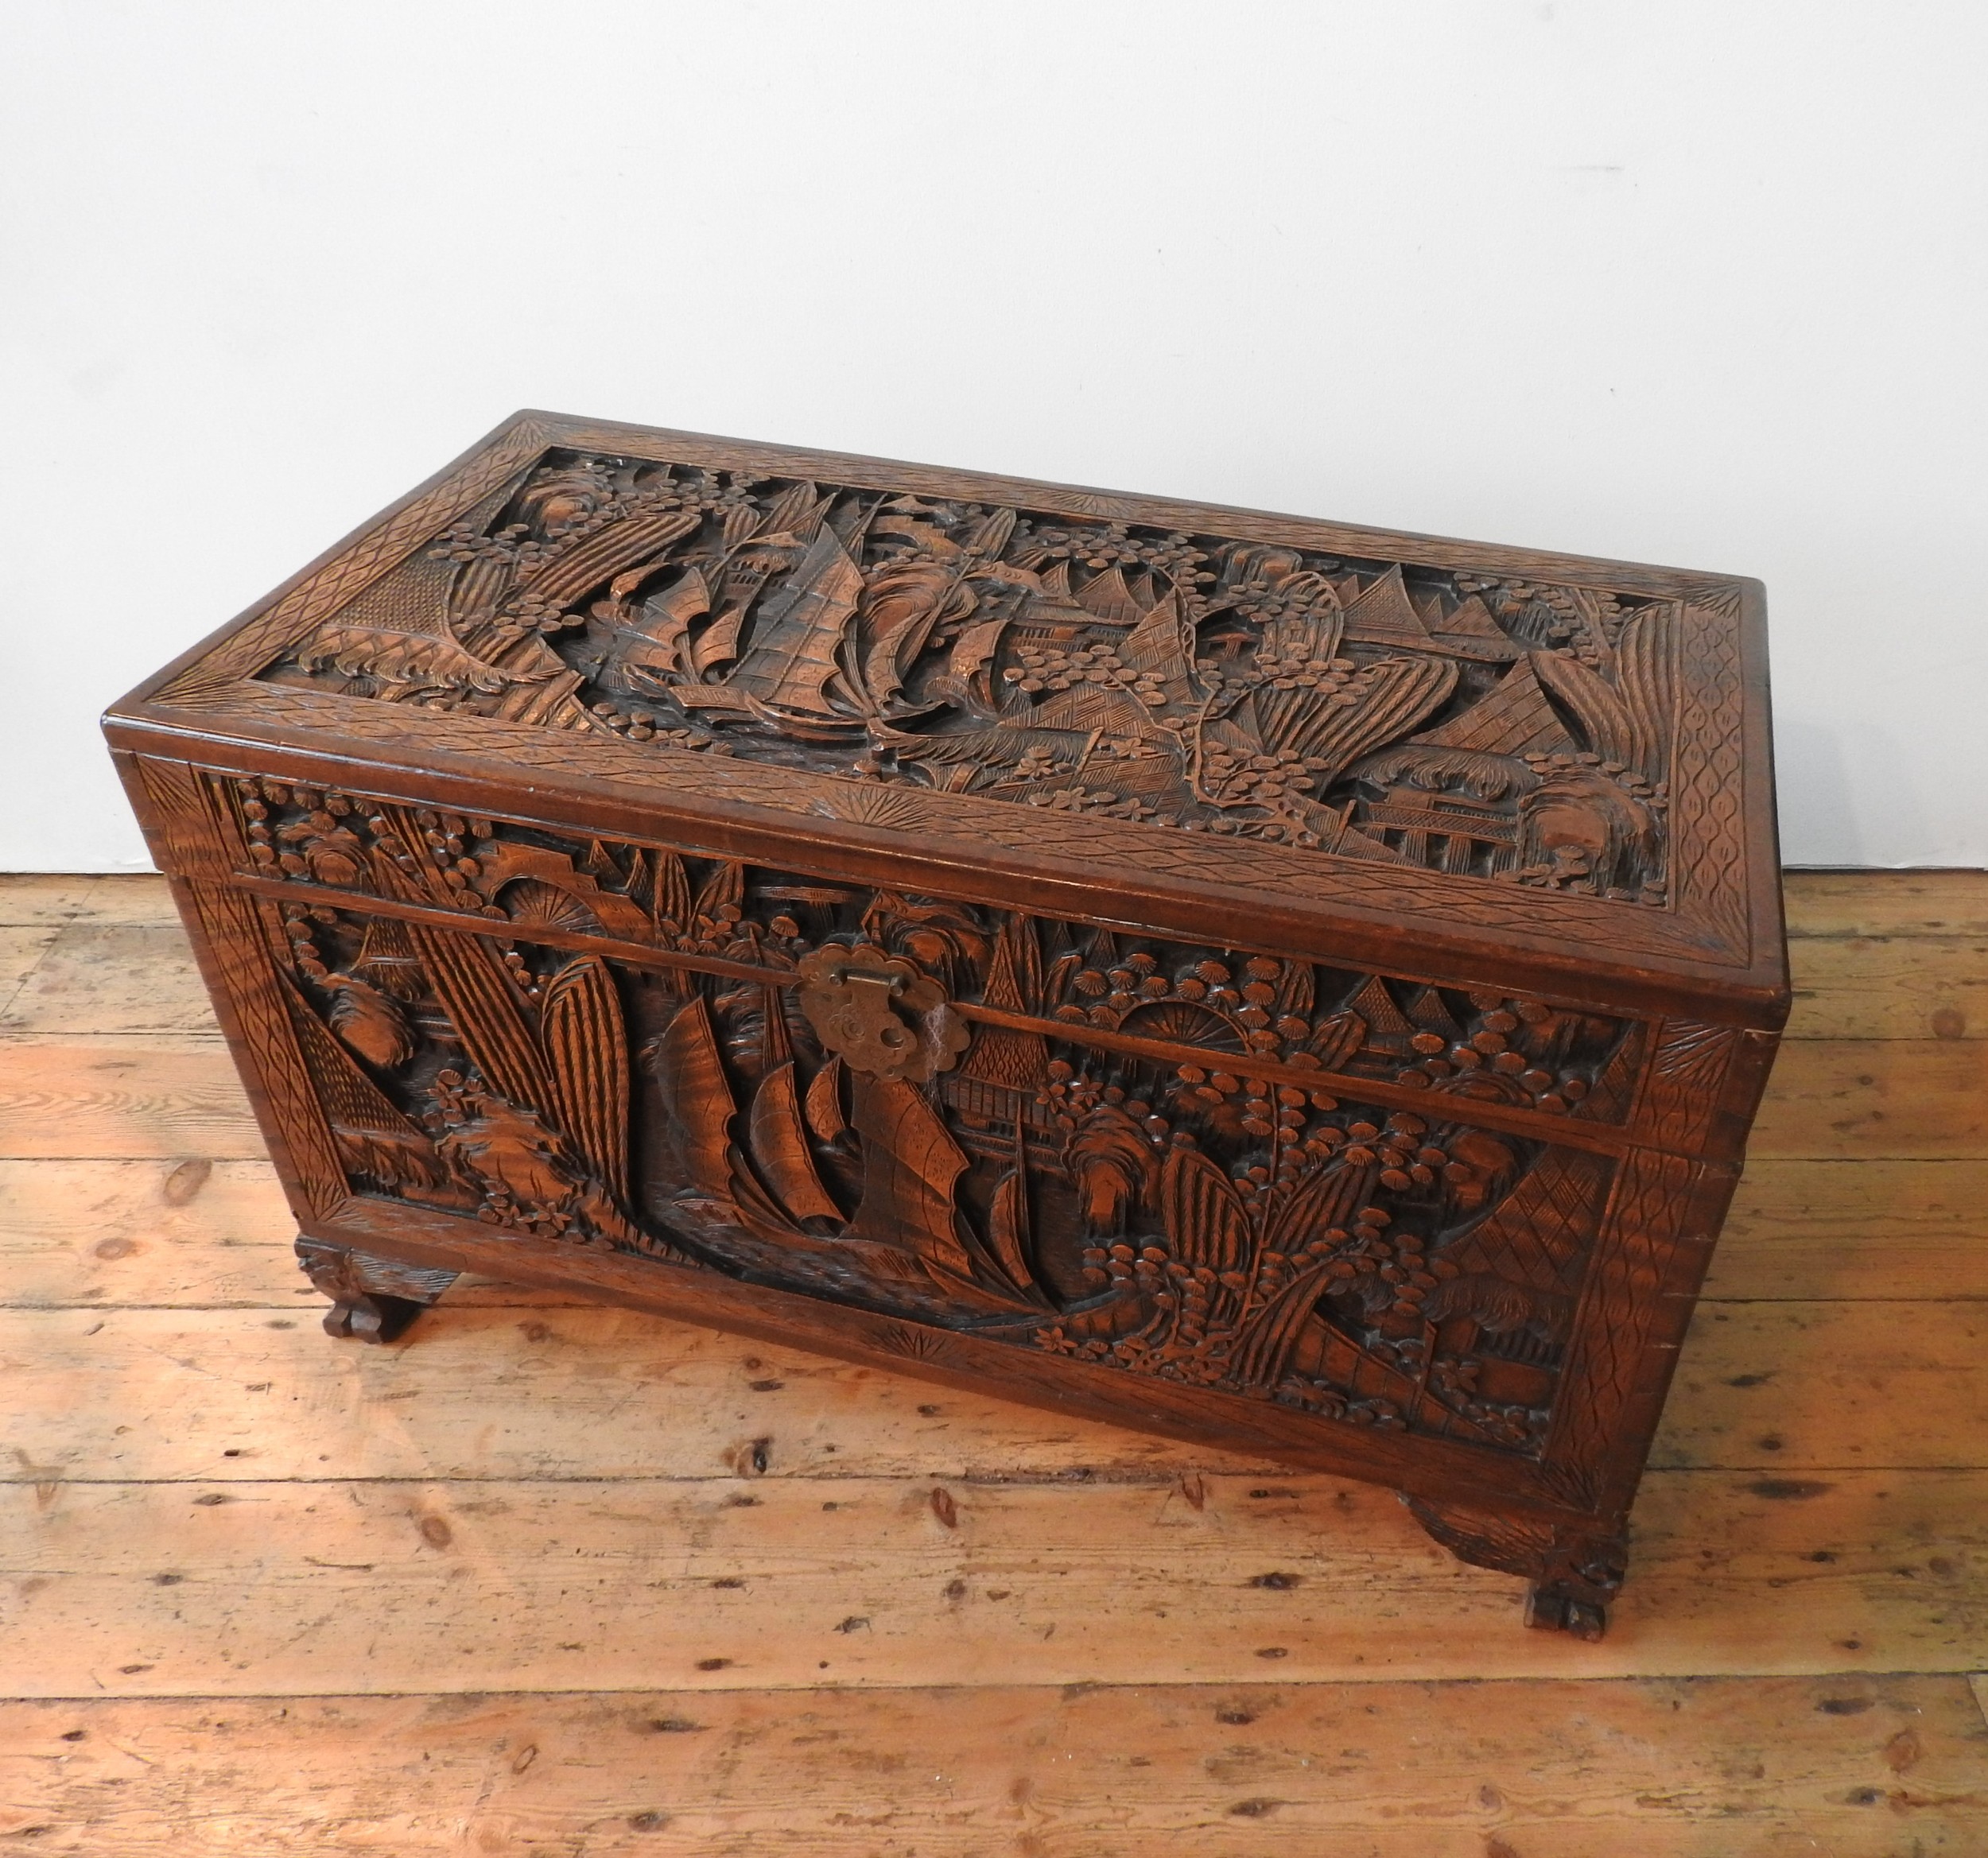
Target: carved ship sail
point(649, 652)
point(796, 634)
point(906, 1227)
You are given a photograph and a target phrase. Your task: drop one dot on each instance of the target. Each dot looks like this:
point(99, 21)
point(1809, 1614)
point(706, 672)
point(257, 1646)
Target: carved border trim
point(1684, 1085)
point(220, 676)
point(966, 822)
point(286, 1105)
point(714, 451)
point(1621, 1354)
point(199, 839)
point(1708, 813)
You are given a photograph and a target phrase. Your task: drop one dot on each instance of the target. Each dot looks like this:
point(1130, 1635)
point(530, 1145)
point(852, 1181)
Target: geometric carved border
point(237, 946)
point(1685, 1084)
point(1161, 852)
point(1622, 1305)
point(1708, 813)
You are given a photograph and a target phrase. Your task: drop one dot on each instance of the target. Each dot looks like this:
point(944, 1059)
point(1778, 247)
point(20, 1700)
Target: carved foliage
point(446, 1081)
point(978, 829)
point(1478, 727)
point(208, 681)
point(1382, 1267)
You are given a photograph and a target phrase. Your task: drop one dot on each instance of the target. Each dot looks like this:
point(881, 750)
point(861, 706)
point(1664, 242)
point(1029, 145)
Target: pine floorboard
point(520, 1585)
point(1853, 1768)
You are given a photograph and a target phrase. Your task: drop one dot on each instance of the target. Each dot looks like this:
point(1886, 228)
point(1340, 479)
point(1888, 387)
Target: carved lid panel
point(1141, 694)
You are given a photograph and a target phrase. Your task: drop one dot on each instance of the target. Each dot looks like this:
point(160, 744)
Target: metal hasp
point(880, 1014)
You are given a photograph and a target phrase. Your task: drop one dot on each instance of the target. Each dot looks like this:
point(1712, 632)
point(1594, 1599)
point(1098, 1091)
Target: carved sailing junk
point(1300, 989)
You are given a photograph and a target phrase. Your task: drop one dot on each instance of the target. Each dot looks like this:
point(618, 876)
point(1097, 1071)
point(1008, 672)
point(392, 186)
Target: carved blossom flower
point(1113, 545)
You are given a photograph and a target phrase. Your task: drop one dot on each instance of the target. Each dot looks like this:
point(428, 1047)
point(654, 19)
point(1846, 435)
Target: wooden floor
point(520, 1585)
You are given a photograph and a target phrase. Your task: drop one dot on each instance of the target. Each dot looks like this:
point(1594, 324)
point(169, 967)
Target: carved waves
point(1478, 727)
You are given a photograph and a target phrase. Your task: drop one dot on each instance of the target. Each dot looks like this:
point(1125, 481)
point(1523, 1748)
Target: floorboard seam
point(35, 967)
point(1848, 1674)
point(1086, 1479)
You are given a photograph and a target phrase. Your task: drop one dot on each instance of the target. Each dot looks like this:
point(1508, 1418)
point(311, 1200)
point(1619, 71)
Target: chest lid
point(1297, 735)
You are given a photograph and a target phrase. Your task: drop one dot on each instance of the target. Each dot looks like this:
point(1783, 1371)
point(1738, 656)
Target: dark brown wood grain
point(1245, 977)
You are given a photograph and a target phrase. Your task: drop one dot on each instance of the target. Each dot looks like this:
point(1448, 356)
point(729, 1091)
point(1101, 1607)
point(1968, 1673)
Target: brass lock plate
point(880, 1014)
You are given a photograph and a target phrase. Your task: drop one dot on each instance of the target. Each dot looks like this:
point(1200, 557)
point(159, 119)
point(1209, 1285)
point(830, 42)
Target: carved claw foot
point(1551, 1607)
point(1574, 1573)
point(373, 1299)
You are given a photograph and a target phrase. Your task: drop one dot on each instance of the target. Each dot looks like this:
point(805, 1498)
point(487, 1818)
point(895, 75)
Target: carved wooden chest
point(1285, 985)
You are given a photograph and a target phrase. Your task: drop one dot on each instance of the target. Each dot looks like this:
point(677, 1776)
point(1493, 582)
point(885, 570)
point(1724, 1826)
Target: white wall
point(1700, 283)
